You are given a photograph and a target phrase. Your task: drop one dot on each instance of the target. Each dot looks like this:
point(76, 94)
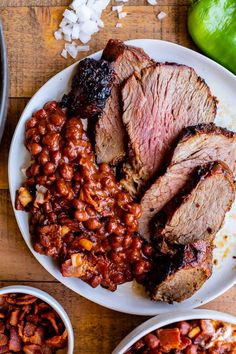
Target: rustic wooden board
point(33, 59)
point(20, 3)
point(34, 54)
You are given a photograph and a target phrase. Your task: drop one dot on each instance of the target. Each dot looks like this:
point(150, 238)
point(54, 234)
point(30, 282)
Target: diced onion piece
point(64, 53)
point(67, 38)
point(63, 23)
point(58, 35)
point(117, 8)
point(118, 25)
point(84, 38)
point(71, 49)
point(83, 48)
point(161, 15)
point(152, 2)
point(75, 31)
point(89, 27)
point(100, 23)
point(76, 4)
point(84, 13)
point(70, 15)
point(76, 259)
point(67, 30)
point(122, 15)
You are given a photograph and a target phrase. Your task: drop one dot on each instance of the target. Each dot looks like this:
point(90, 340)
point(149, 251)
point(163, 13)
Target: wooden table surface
point(33, 57)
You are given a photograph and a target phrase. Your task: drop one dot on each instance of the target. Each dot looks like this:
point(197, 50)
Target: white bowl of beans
point(32, 321)
point(188, 332)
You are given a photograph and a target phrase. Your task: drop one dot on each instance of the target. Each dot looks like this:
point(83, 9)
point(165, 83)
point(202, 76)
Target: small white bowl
point(50, 301)
point(167, 319)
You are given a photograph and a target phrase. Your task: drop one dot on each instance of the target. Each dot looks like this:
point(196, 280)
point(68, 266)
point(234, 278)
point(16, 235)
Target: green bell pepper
point(212, 26)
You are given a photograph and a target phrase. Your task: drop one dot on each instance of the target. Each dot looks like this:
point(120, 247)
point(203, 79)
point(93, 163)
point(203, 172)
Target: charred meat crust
point(91, 87)
point(209, 128)
point(197, 255)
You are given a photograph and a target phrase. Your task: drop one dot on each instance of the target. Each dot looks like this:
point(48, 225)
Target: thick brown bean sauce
point(80, 214)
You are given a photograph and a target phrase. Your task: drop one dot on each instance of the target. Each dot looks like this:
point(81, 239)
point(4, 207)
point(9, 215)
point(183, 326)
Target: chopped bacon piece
point(4, 349)
point(169, 338)
point(2, 300)
point(185, 342)
point(32, 349)
point(2, 327)
point(51, 317)
point(3, 339)
point(22, 300)
point(14, 342)
point(58, 342)
point(29, 329)
point(192, 349)
point(14, 317)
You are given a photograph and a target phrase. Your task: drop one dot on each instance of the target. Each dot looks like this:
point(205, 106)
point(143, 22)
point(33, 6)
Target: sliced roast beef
point(157, 105)
point(110, 133)
point(198, 145)
point(178, 277)
point(198, 212)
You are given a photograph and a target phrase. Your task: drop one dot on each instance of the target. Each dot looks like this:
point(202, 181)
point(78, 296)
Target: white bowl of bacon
point(187, 332)
point(32, 321)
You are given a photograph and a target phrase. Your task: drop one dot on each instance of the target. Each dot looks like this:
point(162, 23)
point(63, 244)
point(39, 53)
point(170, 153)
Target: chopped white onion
point(64, 53)
point(117, 8)
point(77, 3)
point(67, 29)
point(83, 48)
point(80, 22)
point(84, 13)
point(67, 38)
point(152, 2)
point(58, 35)
point(63, 23)
point(100, 23)
point(71, 49)
point(161, 15)
point(84, 37)
point(118, 25)
point(89, 27)
point(75, 31)
point(70, 15)
point(122, 15)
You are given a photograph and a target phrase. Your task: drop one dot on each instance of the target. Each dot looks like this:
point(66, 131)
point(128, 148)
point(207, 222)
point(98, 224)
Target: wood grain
point(33, 59)
point(45, 3)
point(34, 54)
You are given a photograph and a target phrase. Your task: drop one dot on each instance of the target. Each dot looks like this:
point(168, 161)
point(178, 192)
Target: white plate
point(128, 298)
point(167, 319)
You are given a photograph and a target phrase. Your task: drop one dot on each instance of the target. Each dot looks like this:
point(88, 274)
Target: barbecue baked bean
point(49, 168)
point(151, 341)
point(35, 148)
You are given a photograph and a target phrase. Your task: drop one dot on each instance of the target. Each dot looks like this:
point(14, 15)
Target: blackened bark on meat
point(91, 87)
point(177, 277)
